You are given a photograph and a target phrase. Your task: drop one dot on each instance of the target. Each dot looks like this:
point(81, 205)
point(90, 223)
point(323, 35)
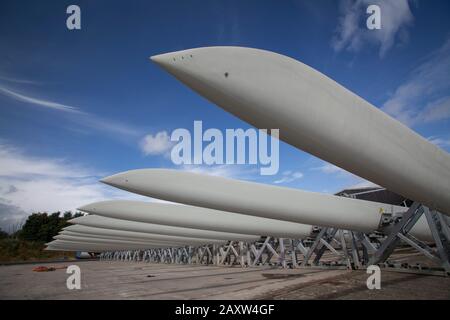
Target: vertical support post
point(259, 253)
point(355, 252)
point(344, 249)
point(241, 253)
point(282, 253)
point(293, 253)
point(440, 232)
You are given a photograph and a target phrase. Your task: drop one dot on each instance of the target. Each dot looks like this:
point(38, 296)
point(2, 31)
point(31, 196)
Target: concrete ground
point(131, 280)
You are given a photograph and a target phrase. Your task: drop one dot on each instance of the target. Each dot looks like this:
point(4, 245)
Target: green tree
point(32, 230)
point(43, 227)
point(78, 214)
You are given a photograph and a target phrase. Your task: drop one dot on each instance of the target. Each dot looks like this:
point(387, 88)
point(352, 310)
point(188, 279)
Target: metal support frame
point(327, 240)
point(400, 232)
point(353, 250)
point(275, 252)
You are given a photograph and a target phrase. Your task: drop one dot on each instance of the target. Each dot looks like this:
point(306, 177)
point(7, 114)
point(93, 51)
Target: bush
point(29, 242)
point(3, 234)
point(22, 250)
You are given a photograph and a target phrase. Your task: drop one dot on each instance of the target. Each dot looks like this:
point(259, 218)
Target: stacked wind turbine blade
point(142, 221)
point(84, 239)
point(317, 115)
point(66, 245)
point(130, 231)
point(98, 233)
point(256, 199)
point(119, 224)
point(197, 218)
point(92, 232)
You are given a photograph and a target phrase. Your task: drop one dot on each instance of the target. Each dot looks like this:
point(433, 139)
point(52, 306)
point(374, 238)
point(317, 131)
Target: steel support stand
point(439, 230)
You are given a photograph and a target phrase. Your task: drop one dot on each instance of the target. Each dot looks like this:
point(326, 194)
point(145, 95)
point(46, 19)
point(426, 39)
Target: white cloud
point(436, 110)
point(158, 144)
point(32, 184)
point(352, 33)
point(440, 142)
point(14, 164)
point(289, 176)
point(424, 97)
point(11, 217)
point(363, 184)
point(353, 181)
point(246, 172)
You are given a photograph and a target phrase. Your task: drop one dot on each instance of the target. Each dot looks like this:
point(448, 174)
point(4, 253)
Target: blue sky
point(79, 105)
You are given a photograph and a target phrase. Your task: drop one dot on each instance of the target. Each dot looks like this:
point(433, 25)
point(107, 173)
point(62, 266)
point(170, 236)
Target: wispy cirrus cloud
point(246, 172)
point(109, 126)
point(75, 114)
point(38, 102)
point(424, 97)
point(20, 81)
point(329, 168)
point(351, 181)
point(352, 33)
point(289, 176)
point(228, 23)
point(362, 184)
